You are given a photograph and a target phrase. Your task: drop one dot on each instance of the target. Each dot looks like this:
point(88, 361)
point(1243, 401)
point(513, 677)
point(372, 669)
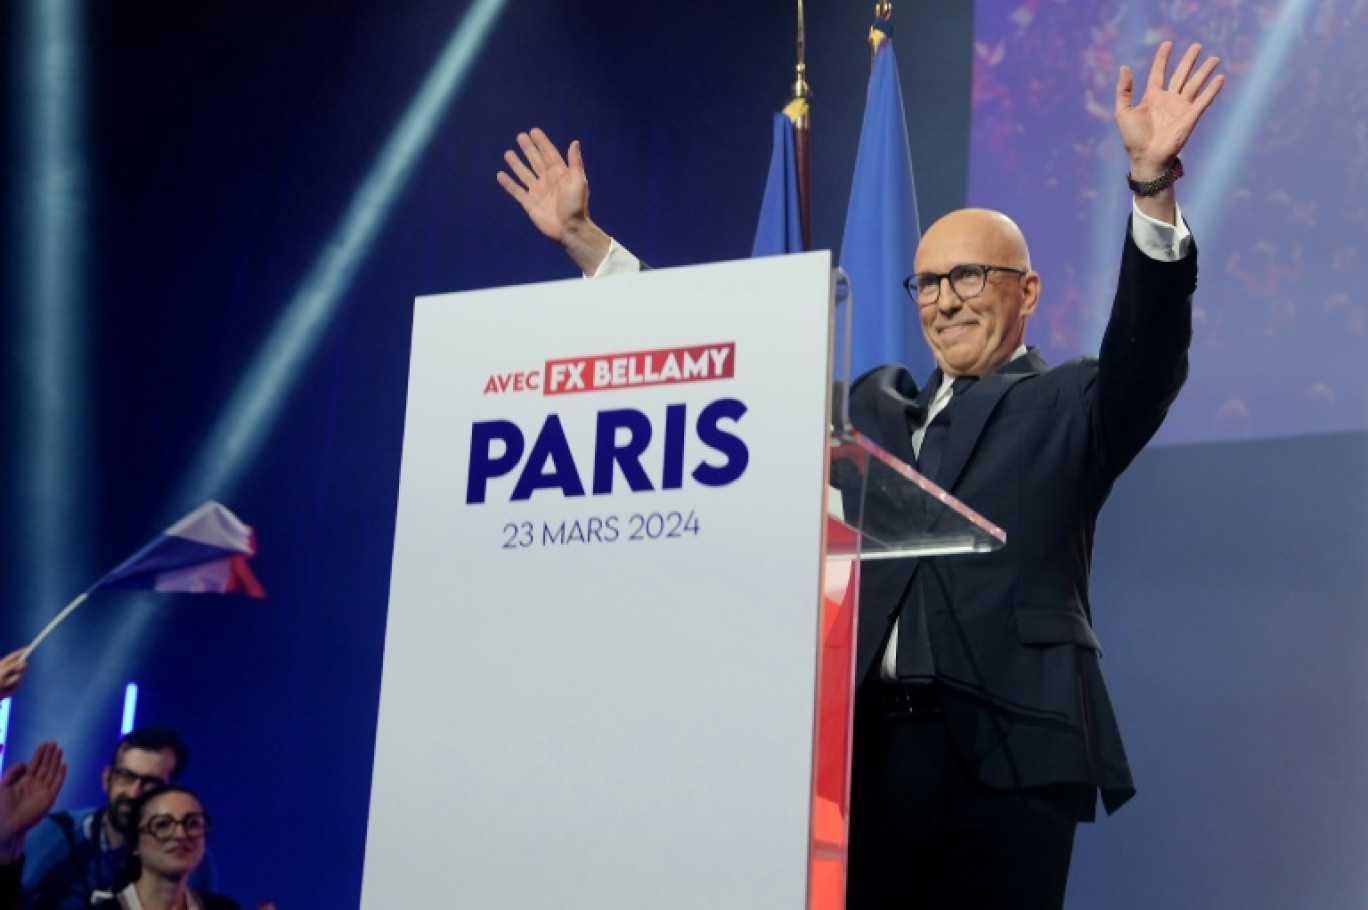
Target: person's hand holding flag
point(12, 667)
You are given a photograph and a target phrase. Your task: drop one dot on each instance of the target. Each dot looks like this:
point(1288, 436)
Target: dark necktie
point(914, 661)
point(938, 430)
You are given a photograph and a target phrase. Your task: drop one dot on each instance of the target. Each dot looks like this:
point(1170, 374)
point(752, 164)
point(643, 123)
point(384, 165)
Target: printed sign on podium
point(601, 652)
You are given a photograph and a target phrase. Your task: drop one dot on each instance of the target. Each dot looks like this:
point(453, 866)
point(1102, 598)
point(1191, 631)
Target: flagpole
point(798, 113)
point(47, 630)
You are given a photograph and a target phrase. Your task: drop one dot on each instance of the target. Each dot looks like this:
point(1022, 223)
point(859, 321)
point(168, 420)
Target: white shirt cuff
point(1157, 240)
point(618, 262)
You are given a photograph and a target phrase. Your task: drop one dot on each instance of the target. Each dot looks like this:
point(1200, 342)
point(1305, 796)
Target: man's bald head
point(985, 230)
point(974, 336)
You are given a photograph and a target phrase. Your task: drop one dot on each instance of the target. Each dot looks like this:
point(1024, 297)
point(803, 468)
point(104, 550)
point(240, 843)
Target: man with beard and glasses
point(73, 858)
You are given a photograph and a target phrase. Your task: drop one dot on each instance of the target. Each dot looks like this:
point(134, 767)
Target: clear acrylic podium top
point(878, 505)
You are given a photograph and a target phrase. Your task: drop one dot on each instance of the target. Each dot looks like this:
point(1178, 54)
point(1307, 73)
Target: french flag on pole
point(206, 552)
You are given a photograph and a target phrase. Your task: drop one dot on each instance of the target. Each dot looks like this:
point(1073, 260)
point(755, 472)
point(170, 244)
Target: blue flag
point(780, 228)
point(881, 231)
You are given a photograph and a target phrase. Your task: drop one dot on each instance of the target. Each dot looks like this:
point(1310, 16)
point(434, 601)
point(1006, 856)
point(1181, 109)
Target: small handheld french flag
point(206, 552)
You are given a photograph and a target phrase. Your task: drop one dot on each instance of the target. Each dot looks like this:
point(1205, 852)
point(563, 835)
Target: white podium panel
point(600, 658)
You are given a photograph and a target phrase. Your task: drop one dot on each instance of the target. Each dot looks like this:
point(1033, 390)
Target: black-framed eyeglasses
point(967, 281)
point(163, 827)
point(127, 778)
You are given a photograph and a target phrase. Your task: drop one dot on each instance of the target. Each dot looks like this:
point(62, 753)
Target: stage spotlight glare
point(4, 729)
point(245, 423)
point(51, 295)
point(1224, 161)
point(49, 278)
point(130, 708)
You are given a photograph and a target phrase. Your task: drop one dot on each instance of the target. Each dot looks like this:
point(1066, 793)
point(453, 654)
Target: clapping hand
point(27, 793)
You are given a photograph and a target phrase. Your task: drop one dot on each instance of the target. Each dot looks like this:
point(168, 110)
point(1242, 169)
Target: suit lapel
point(897, 391)
point(973, 410)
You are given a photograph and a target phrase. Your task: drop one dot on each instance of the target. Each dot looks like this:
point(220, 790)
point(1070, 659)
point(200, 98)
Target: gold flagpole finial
point(883, 13)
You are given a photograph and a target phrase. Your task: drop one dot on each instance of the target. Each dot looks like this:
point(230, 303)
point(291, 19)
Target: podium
point(619, 647)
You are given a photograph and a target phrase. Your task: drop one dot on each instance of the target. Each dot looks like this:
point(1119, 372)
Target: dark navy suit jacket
point(1034, 450)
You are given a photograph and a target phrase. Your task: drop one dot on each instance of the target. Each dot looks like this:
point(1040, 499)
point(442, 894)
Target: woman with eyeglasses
point(167, 828)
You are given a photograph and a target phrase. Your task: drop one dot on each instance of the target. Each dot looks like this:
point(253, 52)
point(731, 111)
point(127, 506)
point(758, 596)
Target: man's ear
point(104, 779)
point(1030, 293)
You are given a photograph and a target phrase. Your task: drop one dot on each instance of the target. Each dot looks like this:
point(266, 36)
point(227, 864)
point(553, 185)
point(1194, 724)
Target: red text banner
point(602, 372)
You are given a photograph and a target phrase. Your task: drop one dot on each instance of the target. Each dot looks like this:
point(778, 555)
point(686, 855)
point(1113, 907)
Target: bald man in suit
point(983, 728)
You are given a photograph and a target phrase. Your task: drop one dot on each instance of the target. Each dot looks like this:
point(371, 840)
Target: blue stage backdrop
point(180, 178)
